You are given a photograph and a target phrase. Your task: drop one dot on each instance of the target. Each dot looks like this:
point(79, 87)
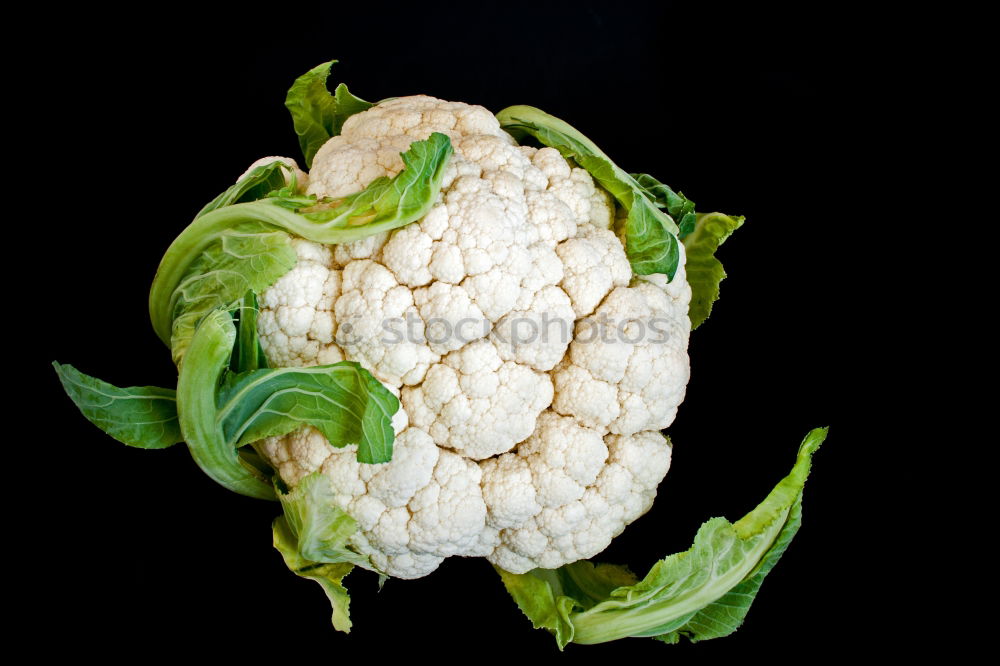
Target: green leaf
point(650, 234)
point(321, 529)
point(725, 615)
point(704, 592)
point(312, 538)
point(704, 271)
point(676, 204)
point(329, 576)
point(386, 203)
point(343, 401)
point(541, 600)
point(230, 250)
point(140, 416)
point(590, 583)
point(197, 384)
point(316, 114)
point(247, 354)
point(258, 184)
point(220, 412)
point(249, 257)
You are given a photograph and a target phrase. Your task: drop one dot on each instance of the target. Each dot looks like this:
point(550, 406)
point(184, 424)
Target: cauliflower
point(446, 343)
point(535, 372)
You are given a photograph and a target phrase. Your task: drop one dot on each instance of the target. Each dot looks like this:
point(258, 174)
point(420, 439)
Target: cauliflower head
point(534, 370)
point(449, 344)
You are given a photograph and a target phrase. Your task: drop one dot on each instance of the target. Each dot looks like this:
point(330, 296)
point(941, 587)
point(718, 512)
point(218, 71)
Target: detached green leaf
point(704, 592)
point(230, 250)
point(650, 234)
point(140, 416)
point(316, 114)
point(329, 576)
point(704, 271)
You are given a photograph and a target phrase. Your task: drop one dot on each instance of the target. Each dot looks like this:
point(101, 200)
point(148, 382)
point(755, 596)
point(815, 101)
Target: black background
point(746, 117)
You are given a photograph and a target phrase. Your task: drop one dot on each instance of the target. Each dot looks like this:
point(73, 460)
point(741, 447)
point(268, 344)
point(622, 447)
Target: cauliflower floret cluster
point(534, 370)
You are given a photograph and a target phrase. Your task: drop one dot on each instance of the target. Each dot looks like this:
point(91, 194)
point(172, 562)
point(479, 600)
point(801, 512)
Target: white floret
point(565, 458)
point(452, 319)
point(634, 347)
point(509, 490)
point(538, 335)
point(593, 264)
point(369, 247)
point(592, 490)
point(296, 323)
point(476, 403)
point(372, 307)
point(449, 513)
point(345, 165)
point(298, 454)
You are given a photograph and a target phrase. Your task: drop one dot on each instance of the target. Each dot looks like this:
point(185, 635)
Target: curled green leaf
point(232, 249)
point(197, 383)
point(247, 258)
point(704, 592)
point(220, 411)
point(343, 401)
point(680, 208)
